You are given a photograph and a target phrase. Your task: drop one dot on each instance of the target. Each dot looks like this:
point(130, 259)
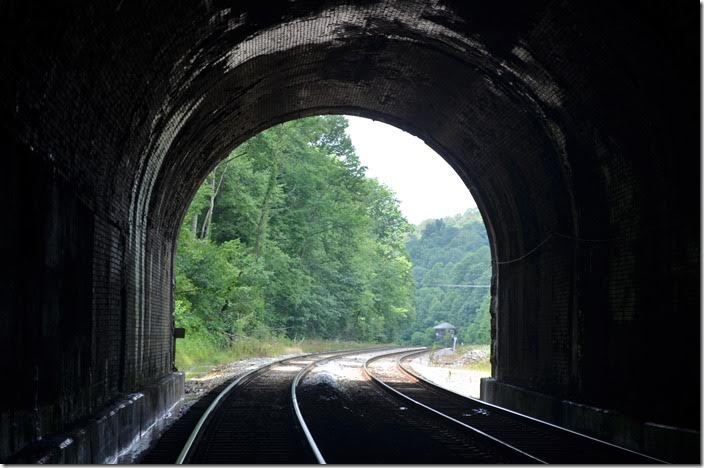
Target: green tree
point(288, 235)
point(448, 255)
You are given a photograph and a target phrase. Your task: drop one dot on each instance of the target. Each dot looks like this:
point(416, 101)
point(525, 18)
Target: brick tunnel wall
point(574, 126)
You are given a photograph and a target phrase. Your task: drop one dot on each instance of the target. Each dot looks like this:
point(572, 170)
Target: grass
point(483, 366)
point(319, 346)
point(196, 355)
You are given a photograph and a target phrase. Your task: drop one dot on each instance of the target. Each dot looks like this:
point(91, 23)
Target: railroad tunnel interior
point(573, 126)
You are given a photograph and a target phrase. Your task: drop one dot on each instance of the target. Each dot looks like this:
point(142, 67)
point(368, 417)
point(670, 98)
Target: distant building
point(444, 329)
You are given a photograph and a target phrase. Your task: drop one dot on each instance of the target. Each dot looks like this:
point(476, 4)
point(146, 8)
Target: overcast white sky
point(425, 184)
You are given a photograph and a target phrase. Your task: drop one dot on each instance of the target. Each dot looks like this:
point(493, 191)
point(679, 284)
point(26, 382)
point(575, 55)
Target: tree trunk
point(207, 222)
point(266, 205)
point(205, 229)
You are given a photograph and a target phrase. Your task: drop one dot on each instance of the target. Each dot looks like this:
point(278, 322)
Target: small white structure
point(444, 329)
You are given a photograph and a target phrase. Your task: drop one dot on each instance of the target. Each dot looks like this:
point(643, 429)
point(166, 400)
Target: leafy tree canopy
point(452, 269)
point(288, 236)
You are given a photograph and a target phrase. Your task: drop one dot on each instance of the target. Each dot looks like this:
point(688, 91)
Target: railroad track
point(354, 421)
point(540, 440)
point(363, 406)
point(253, 418)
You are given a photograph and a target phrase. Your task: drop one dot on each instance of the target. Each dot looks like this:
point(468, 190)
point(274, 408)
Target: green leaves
point(287, 236)
point(449, 254)
point(300, 243)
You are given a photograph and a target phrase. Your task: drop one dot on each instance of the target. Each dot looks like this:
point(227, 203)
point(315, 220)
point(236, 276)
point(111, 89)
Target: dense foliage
point(288, 237)
point(450, 258)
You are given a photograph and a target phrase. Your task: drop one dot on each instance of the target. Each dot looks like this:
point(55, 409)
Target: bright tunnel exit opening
point(330, 232)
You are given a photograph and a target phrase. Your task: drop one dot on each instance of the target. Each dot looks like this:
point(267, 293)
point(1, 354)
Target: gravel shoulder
point(195, 388)
point(448, 370)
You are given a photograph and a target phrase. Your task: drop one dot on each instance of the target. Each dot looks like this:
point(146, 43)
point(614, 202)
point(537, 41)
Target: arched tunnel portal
point(573, 125)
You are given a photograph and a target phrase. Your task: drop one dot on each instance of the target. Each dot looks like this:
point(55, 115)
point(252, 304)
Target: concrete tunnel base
point(114, 434)
point(672, 444)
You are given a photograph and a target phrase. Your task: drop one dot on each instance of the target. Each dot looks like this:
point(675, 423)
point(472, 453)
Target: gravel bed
point(195, 388)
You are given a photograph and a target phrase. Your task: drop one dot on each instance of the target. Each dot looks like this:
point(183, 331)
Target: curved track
point(256, 420)
point(366, 406)
point(251, 421)
point(353, 421)
point(545, 442)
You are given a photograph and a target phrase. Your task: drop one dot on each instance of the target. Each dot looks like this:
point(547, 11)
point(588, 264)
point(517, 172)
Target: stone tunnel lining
point(547, 132)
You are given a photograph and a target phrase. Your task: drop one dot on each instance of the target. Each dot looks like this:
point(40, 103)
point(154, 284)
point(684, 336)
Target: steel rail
point(235, 383)
point(196, 433)
point(309, 437)
point(507, 411)
point(443, 415)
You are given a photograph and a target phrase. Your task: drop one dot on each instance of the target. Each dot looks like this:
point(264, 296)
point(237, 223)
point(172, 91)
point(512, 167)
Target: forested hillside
point(450, 257)
point(287, 237)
